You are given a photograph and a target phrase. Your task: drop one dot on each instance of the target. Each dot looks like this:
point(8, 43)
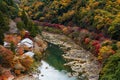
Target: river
point(52, 67)
point(83, 64)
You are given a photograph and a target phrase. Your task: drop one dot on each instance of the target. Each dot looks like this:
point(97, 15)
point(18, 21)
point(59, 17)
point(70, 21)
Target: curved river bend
point(83, 64)
point(52, 67)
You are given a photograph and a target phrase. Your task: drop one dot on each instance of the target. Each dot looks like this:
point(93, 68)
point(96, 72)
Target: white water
point(50, 73)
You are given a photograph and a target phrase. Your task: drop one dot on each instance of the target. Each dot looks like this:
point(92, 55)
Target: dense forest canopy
point(8, 10)
point(102, 15)
point(13, 29)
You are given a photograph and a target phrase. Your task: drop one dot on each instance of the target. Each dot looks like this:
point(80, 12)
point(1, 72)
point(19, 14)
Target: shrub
point(105, 52)
point(84, 34)
point(118, 44)
point(26, 61)
point(114, 28)
point(20, 25)
point(87, 40)
point(6, 57)
point(38, 56)
point(111, 70)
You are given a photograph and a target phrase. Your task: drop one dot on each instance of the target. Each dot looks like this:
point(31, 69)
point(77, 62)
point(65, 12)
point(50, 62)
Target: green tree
point(9, 2)
point(4, 21)
point(111, 69)
point(20, 25)
point(25, 18)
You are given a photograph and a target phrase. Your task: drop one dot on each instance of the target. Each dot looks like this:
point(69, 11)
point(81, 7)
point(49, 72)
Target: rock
point(40, 45)
point(17, 1)
point(42, 75)
point(25, 77)
point(46, 68)
point(19, 66)
point(75, 29)
point(13, 28)
point(37, 49)
point(82, 62)
point(17, 19)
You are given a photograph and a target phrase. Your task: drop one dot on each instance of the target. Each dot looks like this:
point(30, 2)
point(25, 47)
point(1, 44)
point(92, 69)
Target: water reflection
point(54, 57)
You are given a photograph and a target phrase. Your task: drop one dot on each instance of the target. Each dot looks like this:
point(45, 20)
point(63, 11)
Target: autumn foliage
point(26, 61)
point(15, 39)
point(6, 57)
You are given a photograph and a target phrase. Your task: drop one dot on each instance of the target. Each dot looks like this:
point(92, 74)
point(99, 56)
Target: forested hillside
point(8, 10)
point(99, 16)
point(12, 32)
point(92, 24)
point(96, 15)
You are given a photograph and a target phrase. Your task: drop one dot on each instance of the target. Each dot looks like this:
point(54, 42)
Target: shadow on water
point(54, 57)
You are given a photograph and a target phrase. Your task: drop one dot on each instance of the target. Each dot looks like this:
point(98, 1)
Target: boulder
point(40, 45)
point(19, 66)
point(13, 28)
point(37, 48)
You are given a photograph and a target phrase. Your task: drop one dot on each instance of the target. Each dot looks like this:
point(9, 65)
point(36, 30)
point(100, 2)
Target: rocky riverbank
point(82, 62)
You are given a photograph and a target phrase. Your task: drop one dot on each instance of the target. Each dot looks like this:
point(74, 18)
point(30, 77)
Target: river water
point(52, 67)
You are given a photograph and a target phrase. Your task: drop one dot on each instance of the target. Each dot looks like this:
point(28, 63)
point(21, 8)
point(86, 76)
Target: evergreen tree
point(9, 2)
point(4, 21)
point(24, 18)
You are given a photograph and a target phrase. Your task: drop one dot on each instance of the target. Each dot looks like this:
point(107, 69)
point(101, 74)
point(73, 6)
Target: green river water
point(52, 67)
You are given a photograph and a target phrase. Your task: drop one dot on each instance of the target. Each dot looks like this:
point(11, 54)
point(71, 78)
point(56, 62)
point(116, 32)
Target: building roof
point(28, 42)
point(31, 54)
point(6, 44)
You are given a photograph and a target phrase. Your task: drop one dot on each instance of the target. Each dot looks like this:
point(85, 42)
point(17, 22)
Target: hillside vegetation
point(13, 29)
point(96, 15)
point(8, 10)
point(96, 21)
